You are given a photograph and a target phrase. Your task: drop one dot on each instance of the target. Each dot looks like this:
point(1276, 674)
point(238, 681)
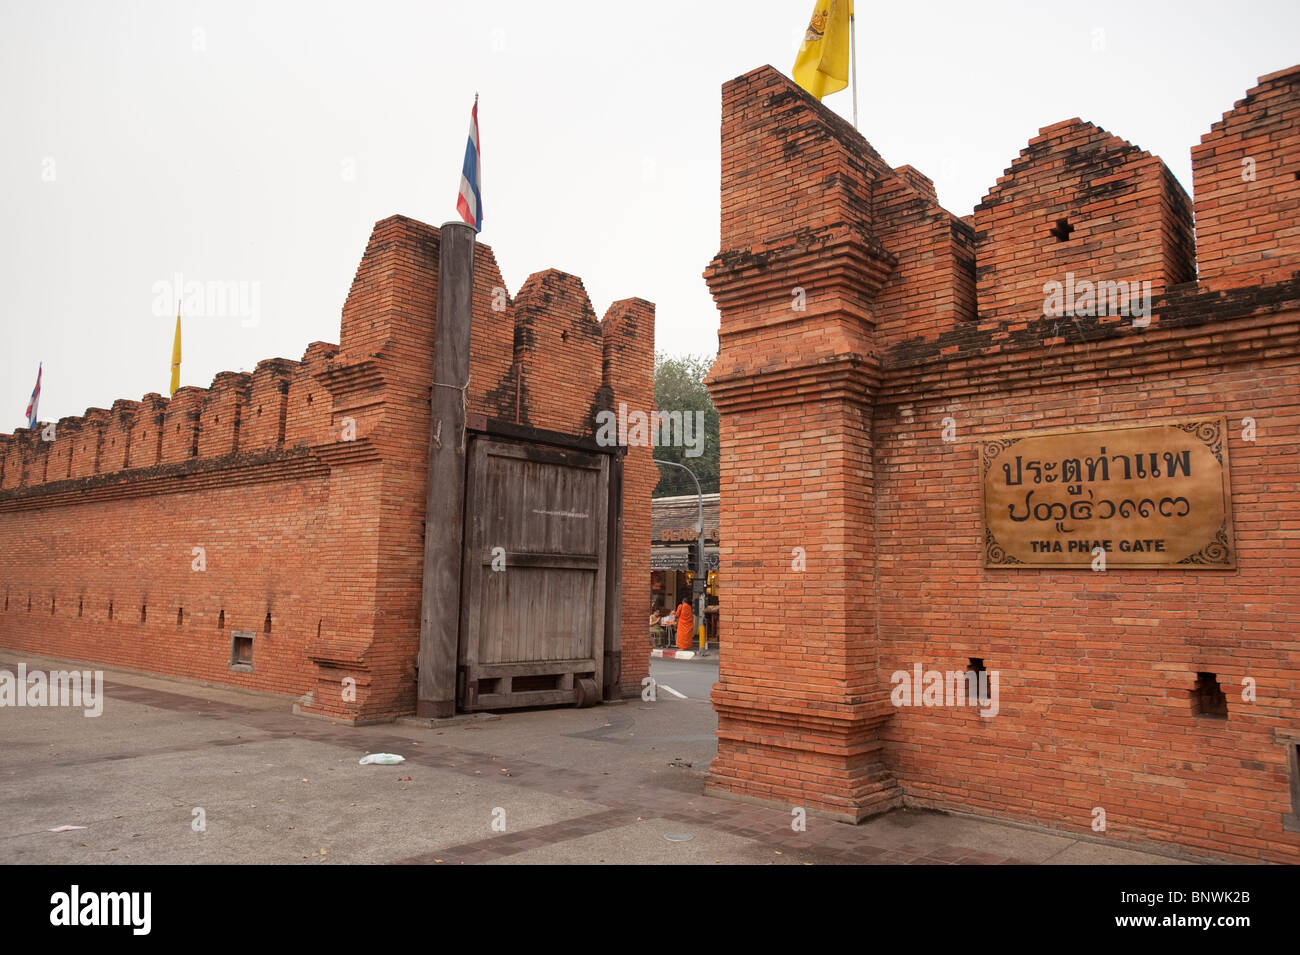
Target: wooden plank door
point(533, 584)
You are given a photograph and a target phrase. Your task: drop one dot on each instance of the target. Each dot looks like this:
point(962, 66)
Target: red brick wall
point(628, 350)
point(221, 417)
point(558, 346)
point(797, 711)
point(261, 541)
point(181, 425)
point(932, 286)
point(304, 482)
point(1126, 219)
point(85, 448)
point(145, 431)
point(1096, 670)
point(1246, 176)
point(833, 451)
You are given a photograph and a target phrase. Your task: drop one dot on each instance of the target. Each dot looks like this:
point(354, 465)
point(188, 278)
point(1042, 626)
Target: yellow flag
point(822, 66)
point(176, 353)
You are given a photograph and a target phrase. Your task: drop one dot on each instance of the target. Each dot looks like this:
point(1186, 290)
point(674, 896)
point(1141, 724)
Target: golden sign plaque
point(1149, 495)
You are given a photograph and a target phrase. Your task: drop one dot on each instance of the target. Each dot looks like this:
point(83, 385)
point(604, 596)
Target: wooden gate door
point(533, 581)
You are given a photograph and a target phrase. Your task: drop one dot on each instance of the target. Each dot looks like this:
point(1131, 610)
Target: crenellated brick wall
point(1247, 184)
point(851, 505)
point(1078, 200)
point(289, 502)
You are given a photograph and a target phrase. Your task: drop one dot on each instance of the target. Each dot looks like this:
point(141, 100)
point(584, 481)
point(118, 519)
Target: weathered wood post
point(444, 503)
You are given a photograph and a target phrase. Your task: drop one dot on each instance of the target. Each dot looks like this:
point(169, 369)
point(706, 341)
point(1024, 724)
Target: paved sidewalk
point(618, 783)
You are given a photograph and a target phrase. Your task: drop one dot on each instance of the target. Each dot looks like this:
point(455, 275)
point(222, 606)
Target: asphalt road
point(695, 680)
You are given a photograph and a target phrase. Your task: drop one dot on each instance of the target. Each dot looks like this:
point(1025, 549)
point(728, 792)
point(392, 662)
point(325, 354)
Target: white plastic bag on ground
point(382, 759)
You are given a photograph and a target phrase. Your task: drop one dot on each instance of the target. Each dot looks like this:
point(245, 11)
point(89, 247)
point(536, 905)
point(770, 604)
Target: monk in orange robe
point(685, 625)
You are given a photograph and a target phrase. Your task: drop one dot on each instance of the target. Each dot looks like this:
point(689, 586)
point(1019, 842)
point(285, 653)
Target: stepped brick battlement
point(548, 330)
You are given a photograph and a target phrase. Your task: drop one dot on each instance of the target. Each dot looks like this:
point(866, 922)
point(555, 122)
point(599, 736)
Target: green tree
point(679, 386)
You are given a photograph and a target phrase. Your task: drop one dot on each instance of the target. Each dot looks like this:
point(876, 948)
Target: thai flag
point(36, 397)
point(470, 202)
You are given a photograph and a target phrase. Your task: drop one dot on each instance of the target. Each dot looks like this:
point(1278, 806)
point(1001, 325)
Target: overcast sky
point(258, 143)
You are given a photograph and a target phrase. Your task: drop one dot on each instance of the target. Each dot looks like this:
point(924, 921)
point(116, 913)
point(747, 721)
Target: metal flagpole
point(853, 65)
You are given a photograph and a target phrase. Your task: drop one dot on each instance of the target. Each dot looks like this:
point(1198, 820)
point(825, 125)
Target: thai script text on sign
point(1151, 495)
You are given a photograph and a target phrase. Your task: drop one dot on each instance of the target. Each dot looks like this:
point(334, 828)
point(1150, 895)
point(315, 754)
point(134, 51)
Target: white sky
point(600, 127)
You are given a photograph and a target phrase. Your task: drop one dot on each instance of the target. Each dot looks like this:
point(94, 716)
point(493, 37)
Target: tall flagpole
point(853, 65)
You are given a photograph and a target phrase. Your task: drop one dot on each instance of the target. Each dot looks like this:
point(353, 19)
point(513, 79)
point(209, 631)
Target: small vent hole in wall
point(110, 610)
point(266, 627)
point(180, 617)
point(221, 620)
point(1208, 699)
point(51, 606)
point(977, 668)
point(144, 612)
point(81, 605)
point(1062, 230)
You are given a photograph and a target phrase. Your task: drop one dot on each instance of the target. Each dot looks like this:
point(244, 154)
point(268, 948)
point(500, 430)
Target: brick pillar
point(800, 701)
point(628, 331)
